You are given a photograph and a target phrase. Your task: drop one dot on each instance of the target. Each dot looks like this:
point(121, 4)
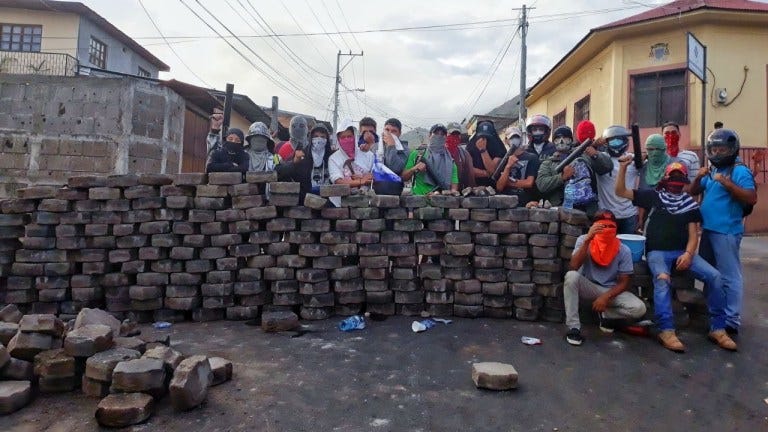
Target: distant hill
point(415, 137)
point(509, 109)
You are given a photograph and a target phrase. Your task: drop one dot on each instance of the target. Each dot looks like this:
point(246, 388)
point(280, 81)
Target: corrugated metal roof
point(682, 6)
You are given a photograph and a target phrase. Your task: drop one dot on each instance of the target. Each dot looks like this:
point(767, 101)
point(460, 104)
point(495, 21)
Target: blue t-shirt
point(721, 212)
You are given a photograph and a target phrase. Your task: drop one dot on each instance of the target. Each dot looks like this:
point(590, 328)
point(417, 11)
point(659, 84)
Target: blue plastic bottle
point(355, 322)
point(568, 195)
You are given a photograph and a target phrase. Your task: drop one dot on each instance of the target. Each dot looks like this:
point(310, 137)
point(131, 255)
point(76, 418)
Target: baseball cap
point(676, 167)
point(454, 127)
point(512, 131)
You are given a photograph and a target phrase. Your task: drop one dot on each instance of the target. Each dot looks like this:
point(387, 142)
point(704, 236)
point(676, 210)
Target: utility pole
point(522, 113)
point(339, 69)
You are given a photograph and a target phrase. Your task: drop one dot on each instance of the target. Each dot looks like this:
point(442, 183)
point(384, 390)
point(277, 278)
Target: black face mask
point(232, 147)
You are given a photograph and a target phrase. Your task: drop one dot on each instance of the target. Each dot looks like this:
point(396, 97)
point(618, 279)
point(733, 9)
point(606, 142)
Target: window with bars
point(144, 73)
point(97, 53)
point(580, 111)
point(20, 37)
point(659, 97)
point(558, 120)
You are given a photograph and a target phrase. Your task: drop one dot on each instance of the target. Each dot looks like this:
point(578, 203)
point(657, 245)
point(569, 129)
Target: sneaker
point(606, 325)
point(721, 338)
point(574, 337)
point(669, 340)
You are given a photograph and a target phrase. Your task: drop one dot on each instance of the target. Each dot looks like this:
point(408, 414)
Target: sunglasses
point(562, 140)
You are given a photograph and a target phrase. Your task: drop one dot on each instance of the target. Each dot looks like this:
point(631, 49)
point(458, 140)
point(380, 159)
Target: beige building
point(67, 38)
point(634, 71)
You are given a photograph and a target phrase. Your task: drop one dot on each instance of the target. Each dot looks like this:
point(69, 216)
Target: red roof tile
point(682, 6)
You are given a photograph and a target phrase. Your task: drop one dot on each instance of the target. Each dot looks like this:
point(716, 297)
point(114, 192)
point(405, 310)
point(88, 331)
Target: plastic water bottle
point(355, 322)
point(568, 195)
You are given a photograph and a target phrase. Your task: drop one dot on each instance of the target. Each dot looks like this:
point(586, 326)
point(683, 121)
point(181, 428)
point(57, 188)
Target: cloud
point(421, 77)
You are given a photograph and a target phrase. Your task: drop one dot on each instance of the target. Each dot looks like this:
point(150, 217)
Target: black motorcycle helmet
point(722, 147)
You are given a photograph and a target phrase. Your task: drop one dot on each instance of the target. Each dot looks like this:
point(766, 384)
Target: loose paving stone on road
point(121, 410)
point(88, 340)
point(54, 364)
point(190, 383)
point(42, 323)
point(494, 376)
point(140, 375)
point(97, 316)
point(132, 343)
point(10, 314)
point(14, 395)
point(169, 356)
point(277, 321)
point(17, 370)
point(26, 346)
point(100, 366)
point(221, 369)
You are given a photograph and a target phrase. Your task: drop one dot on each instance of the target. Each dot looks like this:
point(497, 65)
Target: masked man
point(616, 144)
point(519, 173)
point(486, 150)
point(260, 148)
point(672, 239)
point(352, 163)
point(671, 132)
point(432, 168)
point(600, 270)
point(653, 169)
point(230, 156)
point(539, 127)
point(579, 178)
point(729, 193)
point(395, 151)
point(460, 156)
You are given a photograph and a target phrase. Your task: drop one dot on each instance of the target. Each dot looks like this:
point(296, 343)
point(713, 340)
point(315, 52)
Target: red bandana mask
point(673, 143)
point(605, 245)
point(452, 144)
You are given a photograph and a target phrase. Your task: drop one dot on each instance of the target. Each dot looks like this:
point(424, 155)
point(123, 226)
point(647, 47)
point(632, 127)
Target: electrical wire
point(287, 49)
point(173, 50)
point(288, 90)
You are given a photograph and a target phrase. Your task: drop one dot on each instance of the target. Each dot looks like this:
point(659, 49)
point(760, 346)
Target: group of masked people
point(684, 231)
point(659, 198)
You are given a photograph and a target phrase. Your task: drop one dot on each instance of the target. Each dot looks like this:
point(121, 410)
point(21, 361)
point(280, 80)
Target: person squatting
point(656, 196)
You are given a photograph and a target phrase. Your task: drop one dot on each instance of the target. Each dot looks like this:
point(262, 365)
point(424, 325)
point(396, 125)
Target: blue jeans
point(662, 262)
point(627, 225)
point(722, 251)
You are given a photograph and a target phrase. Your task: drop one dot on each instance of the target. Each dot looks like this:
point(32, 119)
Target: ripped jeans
point(662, 262)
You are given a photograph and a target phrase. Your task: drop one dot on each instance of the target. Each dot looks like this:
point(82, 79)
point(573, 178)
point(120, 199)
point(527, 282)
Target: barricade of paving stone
point(214, 246)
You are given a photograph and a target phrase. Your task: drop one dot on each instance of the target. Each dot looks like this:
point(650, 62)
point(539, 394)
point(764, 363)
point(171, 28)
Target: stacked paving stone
point(215, 246)
point(42, 354)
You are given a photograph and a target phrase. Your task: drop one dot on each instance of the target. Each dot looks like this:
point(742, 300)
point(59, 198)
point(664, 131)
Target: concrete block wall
point(52, 128)
point(205, 247)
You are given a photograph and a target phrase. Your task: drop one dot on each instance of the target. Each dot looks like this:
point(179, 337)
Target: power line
point(173, 50)
point(285, 46)
point(248, 60)
point(301, 29)
point(506, 50)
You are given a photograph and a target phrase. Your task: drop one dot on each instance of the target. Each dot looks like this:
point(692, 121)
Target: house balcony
point(37, 63)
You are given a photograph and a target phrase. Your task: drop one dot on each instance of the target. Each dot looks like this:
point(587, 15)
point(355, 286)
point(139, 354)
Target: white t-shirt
point(691, 161)
point(606, 192)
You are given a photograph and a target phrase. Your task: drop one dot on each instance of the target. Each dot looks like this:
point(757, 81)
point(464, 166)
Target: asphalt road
point(387, 378)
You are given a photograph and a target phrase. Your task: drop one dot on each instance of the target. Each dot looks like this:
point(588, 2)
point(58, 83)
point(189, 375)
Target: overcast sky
point(421, 76)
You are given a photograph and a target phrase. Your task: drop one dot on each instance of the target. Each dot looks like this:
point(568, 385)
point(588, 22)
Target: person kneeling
point(601, 269)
